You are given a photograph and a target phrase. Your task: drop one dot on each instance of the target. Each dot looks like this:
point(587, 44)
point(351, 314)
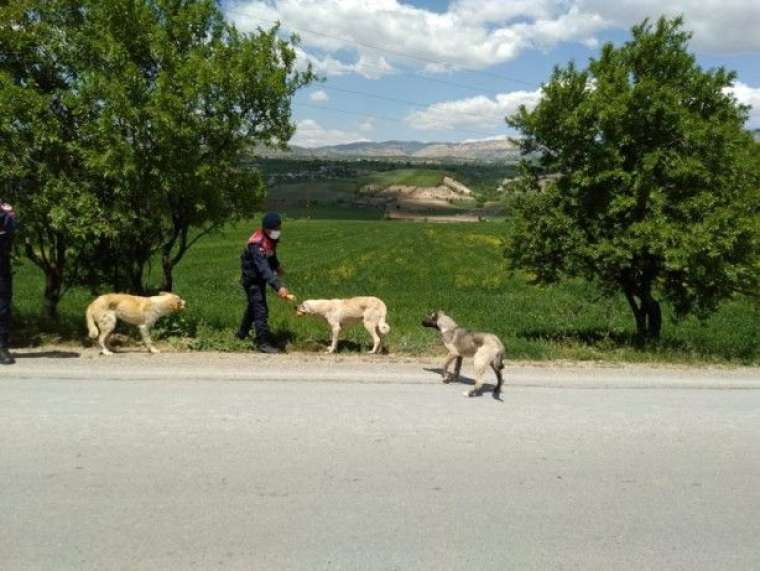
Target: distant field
point(414, 268)
point(406, 177)
point(348, 176)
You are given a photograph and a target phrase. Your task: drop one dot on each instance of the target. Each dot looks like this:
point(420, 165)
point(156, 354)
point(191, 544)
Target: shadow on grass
point(281, 338)
point(344, 346)
point(28, 331)
point(603, 339)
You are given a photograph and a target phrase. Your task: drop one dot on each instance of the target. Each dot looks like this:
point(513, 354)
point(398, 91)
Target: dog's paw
point(106, 352)
point(154, 351)
point(471, 393)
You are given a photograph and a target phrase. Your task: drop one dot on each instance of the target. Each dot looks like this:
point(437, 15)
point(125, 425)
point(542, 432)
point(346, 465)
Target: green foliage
point(657, 190)
point(41, 115)
point(414, 268)
point(181, 97)
point(123, 128)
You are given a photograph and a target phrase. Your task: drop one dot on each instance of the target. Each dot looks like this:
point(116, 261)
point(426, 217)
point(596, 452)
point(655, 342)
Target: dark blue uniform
point(259, 265)
point(7, 227)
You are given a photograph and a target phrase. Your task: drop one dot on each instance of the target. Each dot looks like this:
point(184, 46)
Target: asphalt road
point(248, 462)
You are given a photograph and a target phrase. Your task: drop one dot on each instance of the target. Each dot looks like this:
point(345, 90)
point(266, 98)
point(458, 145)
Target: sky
point(426, 70)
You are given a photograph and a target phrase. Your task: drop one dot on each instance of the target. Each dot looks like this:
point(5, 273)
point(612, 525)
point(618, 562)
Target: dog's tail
point(383, 326)
point(91, 327)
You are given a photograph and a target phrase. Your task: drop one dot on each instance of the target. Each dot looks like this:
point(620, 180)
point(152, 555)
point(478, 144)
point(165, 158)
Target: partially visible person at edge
point(7, 227)
point(260, 267)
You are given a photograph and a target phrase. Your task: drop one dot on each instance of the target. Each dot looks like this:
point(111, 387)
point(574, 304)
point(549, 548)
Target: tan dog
point(486, 349)
point(103, 313)
point(340, 312)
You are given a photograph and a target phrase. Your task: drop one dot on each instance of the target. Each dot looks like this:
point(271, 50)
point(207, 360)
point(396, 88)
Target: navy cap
point(271, 220)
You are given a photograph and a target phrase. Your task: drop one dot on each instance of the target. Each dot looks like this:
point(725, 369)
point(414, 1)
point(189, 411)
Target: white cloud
point(471, 34)
point(309, 133)
point(319, 96)
point(367, 126)
point(748, 96)
point(480, 33)
point(480, 111)
point(370, 66)
point(719, 26)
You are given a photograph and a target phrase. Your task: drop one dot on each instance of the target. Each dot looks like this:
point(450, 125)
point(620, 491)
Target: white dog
point(340, 312)
point(103, 313)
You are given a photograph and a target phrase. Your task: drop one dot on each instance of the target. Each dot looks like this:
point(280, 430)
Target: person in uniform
point(261, 268)
point(7, 227)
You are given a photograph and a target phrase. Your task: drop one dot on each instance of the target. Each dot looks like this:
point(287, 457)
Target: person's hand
point(283, 293)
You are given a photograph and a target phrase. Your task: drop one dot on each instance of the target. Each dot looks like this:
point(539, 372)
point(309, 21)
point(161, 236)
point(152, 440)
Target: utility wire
point(395, 99)
point(383, 118)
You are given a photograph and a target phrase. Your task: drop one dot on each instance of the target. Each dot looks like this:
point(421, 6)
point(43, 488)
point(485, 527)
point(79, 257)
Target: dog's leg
point(481, 366)
point(335, 333)
point(144, 331)
point(106, 324)
point(376, 341)
point(458, 368)
point(445, 372)
point(497, 367)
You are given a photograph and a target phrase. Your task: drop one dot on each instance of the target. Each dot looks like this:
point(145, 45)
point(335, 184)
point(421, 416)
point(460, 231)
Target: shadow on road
point(487, 387)
point(48, 355)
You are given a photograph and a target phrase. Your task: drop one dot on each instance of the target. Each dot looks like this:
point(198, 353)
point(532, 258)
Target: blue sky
point(450, 71)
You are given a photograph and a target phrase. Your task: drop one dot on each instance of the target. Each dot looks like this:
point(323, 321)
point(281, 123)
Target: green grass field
point(406, 177)
point(414, 268)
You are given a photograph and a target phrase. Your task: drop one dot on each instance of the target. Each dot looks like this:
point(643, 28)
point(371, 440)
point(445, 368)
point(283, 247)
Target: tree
point(41, 168)
point(183, 97)
point(124, 125)
point(655, 182)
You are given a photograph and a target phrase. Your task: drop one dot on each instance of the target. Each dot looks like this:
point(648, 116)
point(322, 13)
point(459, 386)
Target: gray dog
point(486, 349)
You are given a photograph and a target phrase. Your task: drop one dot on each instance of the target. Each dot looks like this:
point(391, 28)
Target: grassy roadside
point(414, 268)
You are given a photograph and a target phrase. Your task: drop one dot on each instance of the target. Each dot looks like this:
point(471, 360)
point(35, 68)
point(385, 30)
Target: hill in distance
point(487, 150)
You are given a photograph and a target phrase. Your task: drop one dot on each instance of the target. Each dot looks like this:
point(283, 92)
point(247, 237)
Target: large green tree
point(641, 178)
point(182, 98)
point(124, 125)
point(41, 115)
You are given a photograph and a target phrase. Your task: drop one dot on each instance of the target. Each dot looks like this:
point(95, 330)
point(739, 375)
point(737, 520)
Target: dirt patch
point(450, 201)
point(409, 197)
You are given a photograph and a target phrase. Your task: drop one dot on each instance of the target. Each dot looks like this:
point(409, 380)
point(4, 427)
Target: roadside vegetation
point(414, 267)
point(128, 132)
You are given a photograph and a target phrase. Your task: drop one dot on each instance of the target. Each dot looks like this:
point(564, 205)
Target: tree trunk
point(136, 272)
point(647, 313)
point(53, 285)
point(167, 265)
point(654, 317)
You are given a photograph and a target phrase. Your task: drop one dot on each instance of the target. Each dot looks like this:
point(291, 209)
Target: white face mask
point(275, 234)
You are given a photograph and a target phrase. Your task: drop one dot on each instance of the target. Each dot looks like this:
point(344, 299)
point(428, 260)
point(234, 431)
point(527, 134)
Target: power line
point(395, 99)
point(381, 49)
